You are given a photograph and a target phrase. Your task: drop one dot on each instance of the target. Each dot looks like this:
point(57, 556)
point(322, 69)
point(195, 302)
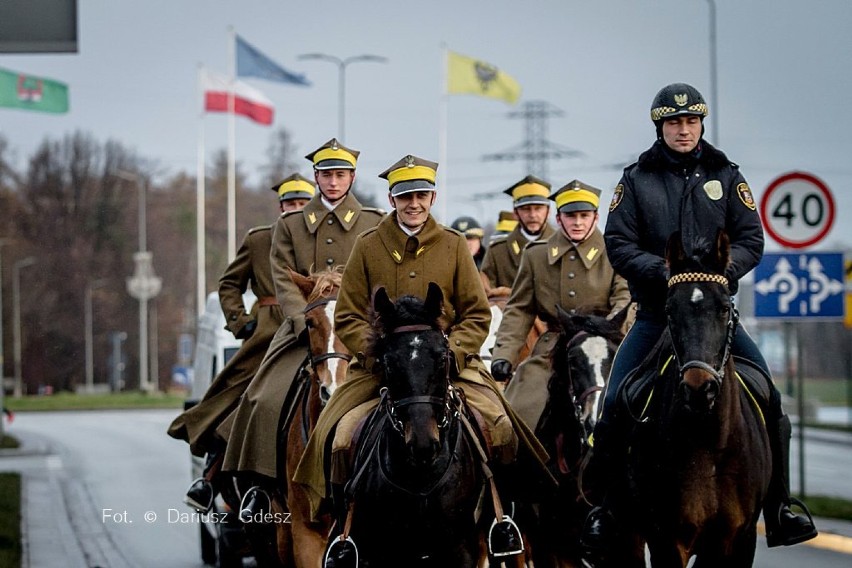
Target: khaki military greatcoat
point(552, 272)
point(305, 241)
point(250, 267)
point(503, 257)
point(386, 256)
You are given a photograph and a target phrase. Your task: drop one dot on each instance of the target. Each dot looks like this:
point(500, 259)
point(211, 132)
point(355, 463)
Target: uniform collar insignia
point(554, 251)
point(421, 249)
point(312, 218)
point(592, 253)
point(516, 247)
point(397, 256)
point(348, 216)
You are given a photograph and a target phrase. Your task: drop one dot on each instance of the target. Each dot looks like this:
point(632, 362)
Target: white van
point(223, 543)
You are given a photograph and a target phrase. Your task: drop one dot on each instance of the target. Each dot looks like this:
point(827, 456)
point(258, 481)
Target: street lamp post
point(16, 305)
point(2, 365)
point(714, 93)
point(341, 85)
point(144, 284)
point(90, 367)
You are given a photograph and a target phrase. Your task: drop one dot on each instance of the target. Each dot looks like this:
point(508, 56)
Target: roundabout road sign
point(797, 210)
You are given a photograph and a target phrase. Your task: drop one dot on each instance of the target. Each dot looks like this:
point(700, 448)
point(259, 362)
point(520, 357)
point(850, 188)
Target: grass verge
point(71, 401)
point(8, 442)
point(10, 520)
point(829, 507)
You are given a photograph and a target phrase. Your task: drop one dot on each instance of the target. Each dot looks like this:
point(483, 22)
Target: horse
point(699, 464)
point(299, 541)
point(417, 481)
point(497, 299)
point(581, 359)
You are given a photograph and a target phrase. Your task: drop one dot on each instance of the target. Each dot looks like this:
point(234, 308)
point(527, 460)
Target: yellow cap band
point(529, 189)
point(295, 185)
point(506, 225)
point(574, 195)
point(415, 172)
point(332, 154)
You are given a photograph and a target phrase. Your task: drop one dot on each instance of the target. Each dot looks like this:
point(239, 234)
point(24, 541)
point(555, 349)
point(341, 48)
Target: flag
point(252, 63)
point(28, 92)
point(248, 101)
point(468, 76)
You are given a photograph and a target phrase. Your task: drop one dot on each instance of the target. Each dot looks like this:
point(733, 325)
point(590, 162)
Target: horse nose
point(325, 393)
point(424, 453)
point(701, 398)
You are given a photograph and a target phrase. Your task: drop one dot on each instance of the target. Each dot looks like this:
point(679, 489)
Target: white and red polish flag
point(248, 101)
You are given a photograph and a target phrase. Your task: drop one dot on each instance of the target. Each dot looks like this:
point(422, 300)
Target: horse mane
point(408, 310)
point(325, 283)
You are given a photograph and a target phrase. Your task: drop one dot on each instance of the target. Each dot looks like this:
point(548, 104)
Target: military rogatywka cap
point(576, 196)
point(506, 222)
point(295, 186)
point(529, 191)
point(333, 156)
point(410, 174)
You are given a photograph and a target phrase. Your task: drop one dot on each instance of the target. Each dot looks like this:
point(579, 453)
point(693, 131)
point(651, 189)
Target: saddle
point(636, 391)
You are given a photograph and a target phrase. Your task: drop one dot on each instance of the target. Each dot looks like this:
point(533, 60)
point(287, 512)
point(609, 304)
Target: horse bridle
point(580, 400)
point(449, 402)
point(317, 359)
point(733, 318)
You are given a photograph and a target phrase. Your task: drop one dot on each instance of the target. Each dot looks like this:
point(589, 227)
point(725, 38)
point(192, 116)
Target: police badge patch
point(744, 191)
point(713, 189)
point(616, 197)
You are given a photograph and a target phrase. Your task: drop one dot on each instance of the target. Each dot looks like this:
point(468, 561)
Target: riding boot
point(202, 490)
point(783, 526)
point(606, 469)
point(341, 551)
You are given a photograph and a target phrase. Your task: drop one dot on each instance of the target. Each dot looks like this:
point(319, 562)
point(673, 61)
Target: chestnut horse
point(301, 542)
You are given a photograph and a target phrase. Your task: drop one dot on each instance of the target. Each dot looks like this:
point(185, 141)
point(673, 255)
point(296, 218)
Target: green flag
point(28, 92)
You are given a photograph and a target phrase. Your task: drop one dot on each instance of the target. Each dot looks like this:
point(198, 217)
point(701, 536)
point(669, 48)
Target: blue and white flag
point(253, 63)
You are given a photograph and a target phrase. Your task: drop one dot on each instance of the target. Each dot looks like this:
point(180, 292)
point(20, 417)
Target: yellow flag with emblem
point(469, 76)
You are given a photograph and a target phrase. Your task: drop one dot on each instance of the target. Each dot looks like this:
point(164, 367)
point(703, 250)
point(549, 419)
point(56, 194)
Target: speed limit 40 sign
point(797, 210)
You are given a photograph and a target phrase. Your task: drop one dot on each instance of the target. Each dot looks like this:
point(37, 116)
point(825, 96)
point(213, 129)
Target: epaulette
point(288, 213)
point(535, 244)
point(376, 210)
point(450, 229)
point(262, 228)
point(372, 229)
point(499, 240)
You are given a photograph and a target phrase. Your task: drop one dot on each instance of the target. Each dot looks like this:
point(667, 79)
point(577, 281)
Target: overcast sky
point(784, 83)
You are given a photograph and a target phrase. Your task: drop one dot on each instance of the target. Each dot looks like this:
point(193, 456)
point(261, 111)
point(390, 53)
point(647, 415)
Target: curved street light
point(341, 67)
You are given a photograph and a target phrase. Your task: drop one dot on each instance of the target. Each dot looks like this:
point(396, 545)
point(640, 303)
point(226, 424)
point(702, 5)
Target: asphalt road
point(92, 477)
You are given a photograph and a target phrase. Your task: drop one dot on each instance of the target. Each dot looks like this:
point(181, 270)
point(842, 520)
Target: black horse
point(417, 481)
point(582, 357)
point(699, 465)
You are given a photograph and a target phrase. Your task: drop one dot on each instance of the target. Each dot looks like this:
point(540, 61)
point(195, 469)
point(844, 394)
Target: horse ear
point(723, 251)
point(675, 254)
point(565, 319)
point(382, 305)
point(305, 284)
point(434, 304)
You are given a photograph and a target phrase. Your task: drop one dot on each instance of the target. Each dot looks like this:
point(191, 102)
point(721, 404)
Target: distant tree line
point(70, 211)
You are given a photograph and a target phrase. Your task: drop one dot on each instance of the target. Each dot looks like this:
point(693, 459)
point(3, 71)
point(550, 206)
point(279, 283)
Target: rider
point(532, 206)
point(684, 184)
point(473, 232)
point(404, 253)
point(256, 328)
point(570, 269)
point(320, 235)
point(506, 223)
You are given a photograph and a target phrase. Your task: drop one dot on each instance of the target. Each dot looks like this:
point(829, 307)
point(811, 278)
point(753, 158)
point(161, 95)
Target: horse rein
point(317, 359)
point(733, 319)
point(579, 401)
point(449, 403)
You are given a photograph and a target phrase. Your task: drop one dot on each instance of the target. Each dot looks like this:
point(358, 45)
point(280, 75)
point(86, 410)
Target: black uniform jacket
point(658, 196)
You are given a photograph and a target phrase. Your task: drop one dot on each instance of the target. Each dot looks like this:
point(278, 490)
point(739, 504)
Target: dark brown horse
point(417, 482)
point(699, 464)
point(581, 358)
point(301, 542)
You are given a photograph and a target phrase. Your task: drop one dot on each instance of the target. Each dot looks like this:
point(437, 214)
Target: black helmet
point(678, 99)
point(468, 227)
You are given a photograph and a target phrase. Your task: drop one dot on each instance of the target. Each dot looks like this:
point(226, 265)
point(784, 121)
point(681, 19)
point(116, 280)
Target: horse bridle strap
point(698, 277)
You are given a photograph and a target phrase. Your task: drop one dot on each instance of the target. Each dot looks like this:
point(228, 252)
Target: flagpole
point(442, 137)
point(232, 143)
point(200, 221)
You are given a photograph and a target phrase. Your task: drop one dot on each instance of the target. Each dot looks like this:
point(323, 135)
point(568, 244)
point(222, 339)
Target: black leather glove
point(247, 330)
point(501, 370)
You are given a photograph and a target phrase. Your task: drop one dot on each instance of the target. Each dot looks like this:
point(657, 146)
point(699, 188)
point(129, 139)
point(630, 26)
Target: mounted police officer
point(320, 235)
point(404, 253)
point(570, 269)
point(472, 231)
point(532, 207)
point(256, 328)
point(682, 183)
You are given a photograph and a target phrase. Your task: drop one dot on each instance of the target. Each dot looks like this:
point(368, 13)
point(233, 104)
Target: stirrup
point(773, 539)
point(250, 505)
point(508, 541)
point(196, 499)
point(343, 549)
